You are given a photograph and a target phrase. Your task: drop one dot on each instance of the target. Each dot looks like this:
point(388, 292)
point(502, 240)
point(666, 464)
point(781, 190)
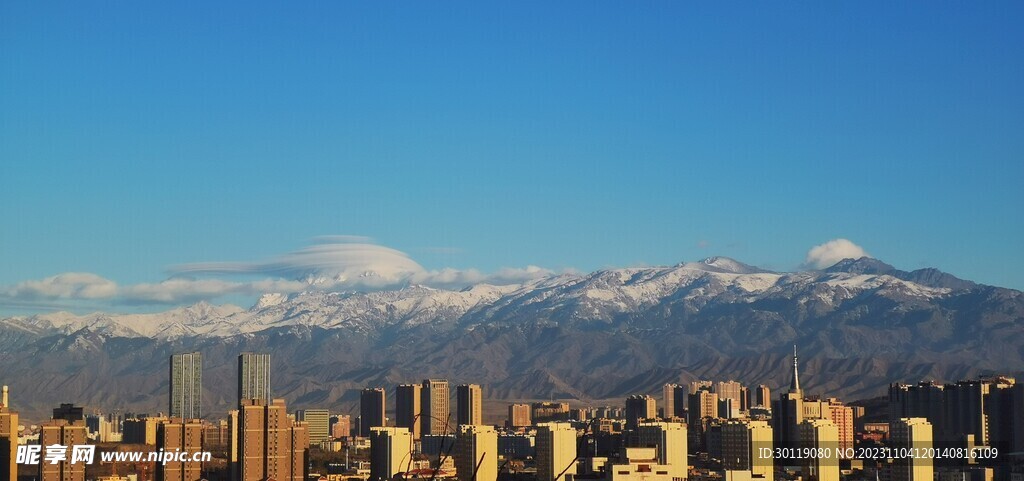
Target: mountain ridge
point(592, 336)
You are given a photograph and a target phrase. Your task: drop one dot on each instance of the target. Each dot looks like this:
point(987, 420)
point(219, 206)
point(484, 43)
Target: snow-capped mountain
point(590, 336)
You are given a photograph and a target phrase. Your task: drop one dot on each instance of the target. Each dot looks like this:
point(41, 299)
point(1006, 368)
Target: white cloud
point(343, 259)
point(331, 263)
point(69, 285)
point(827, 254)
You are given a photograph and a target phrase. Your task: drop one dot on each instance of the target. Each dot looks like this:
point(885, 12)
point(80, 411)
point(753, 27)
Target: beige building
point(741, 444)
point(269, 443)
point(549, 411)
point(701, 405)
point(842, 416)
point(64, 433)
point(408, 408)
point(729, 390)
point(555, 446)
point(641, 464)
point(519, 416)
point(179, 435)
point(390, 452)
point(915, 433)
point(820, 434)
point(8, 438)
point(476, 453)
point(668, 400)
point(469, 404)
point(669, 441)
point(435, 403)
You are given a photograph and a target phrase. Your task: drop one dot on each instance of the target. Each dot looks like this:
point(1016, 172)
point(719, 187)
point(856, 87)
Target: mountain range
point(590, 338)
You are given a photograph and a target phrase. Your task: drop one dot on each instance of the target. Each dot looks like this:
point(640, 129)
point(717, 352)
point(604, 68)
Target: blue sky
point(481, 136)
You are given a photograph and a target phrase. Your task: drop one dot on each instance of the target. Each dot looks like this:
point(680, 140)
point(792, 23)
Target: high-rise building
point(640, 407)
point(341, 426)
point(390, 452)
point(763, 396)
point(518, 416)
point(186, 393)
point(912, 433)
point(741, 442)
point(318, 421)
point(254, 377)
point(476, 453)
point(65, 433)
point(820, 434)
point(179, 435)
point(668, 401)
point(728, 408)
point(680, 396)
point(372, 405)
point(982, 408)
point(788, 411)
point(842, 416)
point(435, 404)
point(703, 404)
point(269, 444)
point(469, 404)
point(8, 438)
point(730, 390)
point(408, 408)
point(669, 440)
point(556, 451)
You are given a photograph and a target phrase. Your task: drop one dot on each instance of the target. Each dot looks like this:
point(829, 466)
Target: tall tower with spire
point(794, 384)
point(788, 410)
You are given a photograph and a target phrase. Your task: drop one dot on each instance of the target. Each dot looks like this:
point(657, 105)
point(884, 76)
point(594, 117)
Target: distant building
point(469, 404)
point(729, 390)
point(668, 400)
point(435, 403)
point(141, 431)
point(518, 416)
point(476, 453)
point(640, 407)
point(408, 408)
point(186, 390)
point(390, 452)
point(703, 404)
point(372, 405)
point(69, 413)
point(983, 408)
point(341, 426)
point(762, 396)
point(549, 411)
point(556, 451)
point(254, 377)
point(318, 421)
